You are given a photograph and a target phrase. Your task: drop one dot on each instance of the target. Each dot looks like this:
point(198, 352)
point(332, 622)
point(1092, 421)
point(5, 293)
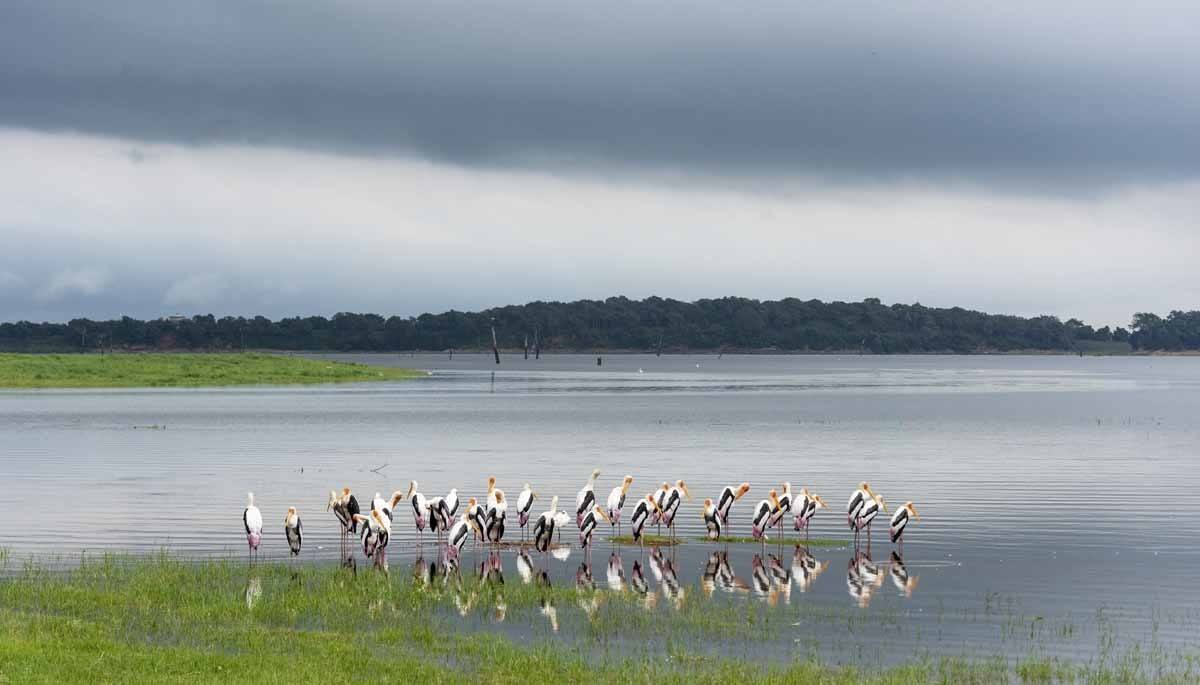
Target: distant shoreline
point(511, 352)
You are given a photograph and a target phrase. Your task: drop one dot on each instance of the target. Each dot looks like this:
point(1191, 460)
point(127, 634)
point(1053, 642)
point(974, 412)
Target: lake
point(1058, 495)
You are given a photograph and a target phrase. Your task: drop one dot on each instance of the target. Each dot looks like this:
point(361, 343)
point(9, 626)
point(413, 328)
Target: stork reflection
point(901, 579)
point(806, 568)
point(863, 578)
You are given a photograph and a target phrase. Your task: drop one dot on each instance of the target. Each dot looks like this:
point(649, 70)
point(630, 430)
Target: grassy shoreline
point(156, 619)
point(164, 370)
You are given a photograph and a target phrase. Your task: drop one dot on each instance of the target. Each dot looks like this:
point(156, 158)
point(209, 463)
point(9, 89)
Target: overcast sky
point(314, 157)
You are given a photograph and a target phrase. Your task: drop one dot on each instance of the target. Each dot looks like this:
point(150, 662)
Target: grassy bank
point(180, 370)
point(121, 619)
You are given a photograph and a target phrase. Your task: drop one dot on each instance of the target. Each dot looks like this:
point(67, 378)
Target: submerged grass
point(124, 370)
point(811, 542)
point(157, 619)
point(648, 540)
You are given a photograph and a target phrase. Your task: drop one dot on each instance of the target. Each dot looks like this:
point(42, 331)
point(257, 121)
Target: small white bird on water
point(252, 519)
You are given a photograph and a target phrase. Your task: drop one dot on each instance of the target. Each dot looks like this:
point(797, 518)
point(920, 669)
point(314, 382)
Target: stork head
point(595, 474)
point(787, 488)
point(528, 488)
point(396, 497)
point(665, 486)
point(864, 486)
point(683, 486)
point(912, 510)
point(773, 495)
point(600, 514)
point(708, 506)
point(412, 488)
point(741, 491)
point(288, 517)
point(499, 495)
point(491, 484)
point(626, 483)
point(653, 504)
point(471, 504)
point(345, 493)
point(879, 500)
point(333, 499)
point(820, 502)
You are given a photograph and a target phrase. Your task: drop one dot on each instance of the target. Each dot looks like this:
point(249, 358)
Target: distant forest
point(619, 323)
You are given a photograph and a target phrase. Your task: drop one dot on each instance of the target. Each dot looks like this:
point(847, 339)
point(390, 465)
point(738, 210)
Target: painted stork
point(439, 516)
point(674, 499)
point(588, 526)
point(809, 504)
point(900, 521)
point(616, 500)
point(712, 520)
point(660, 498)
point(785, 507)
point(419, 505)
point(524, 506)
point(252, 520)
point(586, 498)
point(291, 527)
point(543, 530)
point(762, 513)
point(376, 532)
point(344, 507)
point(496, 514)
point(728, 496)
point(458, 535)
point(478, 514)
point(861, 510)
point(641, 513)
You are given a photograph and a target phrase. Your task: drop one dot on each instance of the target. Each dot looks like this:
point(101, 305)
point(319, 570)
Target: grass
point(158, 619)
point(791, 540)
point(649, 540)
point(180, 370)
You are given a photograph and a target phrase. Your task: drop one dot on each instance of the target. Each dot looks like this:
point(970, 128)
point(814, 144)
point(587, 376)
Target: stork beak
point(685, 492)
point(914, 512)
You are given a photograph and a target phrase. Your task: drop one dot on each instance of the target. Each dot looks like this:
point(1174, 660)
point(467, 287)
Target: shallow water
point(1055, 487)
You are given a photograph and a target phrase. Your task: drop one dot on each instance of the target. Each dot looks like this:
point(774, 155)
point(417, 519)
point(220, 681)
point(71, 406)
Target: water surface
point(1058, 494)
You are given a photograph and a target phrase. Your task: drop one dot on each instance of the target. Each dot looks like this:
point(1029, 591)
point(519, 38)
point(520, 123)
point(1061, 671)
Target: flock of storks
point(485, 520)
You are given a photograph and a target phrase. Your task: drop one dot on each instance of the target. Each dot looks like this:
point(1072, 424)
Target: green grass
point(775, 540)
point(651, 540)
point(158, 619)
point(180, 370)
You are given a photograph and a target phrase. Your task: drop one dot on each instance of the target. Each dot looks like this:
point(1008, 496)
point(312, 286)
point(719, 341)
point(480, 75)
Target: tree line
point(618, 323)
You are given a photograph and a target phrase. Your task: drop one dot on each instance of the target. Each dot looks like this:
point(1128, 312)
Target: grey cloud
point(86, 281)
point(1077, 93)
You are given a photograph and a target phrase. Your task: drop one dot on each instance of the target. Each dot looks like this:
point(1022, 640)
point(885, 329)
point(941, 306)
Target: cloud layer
point(241, 229)
point(1057, 98)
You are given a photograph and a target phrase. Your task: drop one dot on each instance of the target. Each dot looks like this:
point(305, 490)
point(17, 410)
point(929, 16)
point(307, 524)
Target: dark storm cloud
point(1078, 92)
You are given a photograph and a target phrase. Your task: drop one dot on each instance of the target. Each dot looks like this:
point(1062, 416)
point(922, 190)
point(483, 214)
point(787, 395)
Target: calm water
point(1059, 495)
